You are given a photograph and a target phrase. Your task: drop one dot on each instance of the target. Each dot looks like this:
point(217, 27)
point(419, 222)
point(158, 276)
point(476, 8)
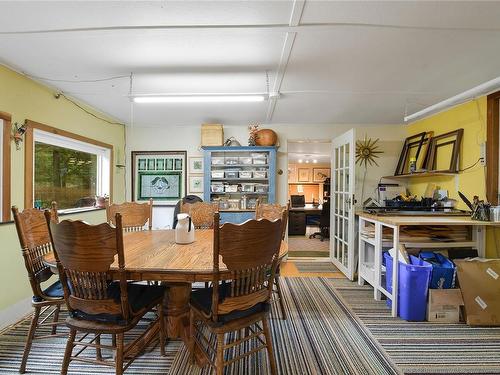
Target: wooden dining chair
point(271, 212)
point(249, 251)
point(35, 243)
point(100, 301)
point(202, 213)
point(135, 216)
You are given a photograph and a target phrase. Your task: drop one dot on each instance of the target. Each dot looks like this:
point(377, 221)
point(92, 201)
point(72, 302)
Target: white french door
point(342, 224)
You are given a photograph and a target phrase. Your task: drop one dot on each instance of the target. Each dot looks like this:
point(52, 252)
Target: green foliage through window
point(63, 175)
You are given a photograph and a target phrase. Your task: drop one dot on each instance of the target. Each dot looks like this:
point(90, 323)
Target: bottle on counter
point(244, 202)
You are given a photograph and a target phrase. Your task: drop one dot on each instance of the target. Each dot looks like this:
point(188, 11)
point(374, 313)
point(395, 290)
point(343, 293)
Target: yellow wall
point(26, 99)
point(470, 116)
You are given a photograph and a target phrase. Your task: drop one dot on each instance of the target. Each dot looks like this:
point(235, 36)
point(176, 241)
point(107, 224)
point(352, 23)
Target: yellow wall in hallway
point(471, 116)
point(25, 99)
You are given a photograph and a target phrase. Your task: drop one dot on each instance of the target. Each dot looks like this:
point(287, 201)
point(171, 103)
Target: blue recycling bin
point(413, 287)
point(443, 270)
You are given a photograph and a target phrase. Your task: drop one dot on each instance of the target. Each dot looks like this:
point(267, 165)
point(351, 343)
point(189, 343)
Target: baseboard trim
point(15, 312)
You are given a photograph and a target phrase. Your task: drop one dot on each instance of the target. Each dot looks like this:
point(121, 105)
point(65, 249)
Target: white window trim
point(103, 182)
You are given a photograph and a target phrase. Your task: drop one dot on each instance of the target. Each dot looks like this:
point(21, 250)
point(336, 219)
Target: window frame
point(5, 154)
point(47, 134)
point(492, 147)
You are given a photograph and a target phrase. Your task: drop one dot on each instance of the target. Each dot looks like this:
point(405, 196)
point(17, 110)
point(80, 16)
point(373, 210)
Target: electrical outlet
point(482, 154)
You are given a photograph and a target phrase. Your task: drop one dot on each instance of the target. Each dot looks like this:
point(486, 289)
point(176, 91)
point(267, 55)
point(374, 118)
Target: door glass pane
point(345, 257)
point(341, 156)
point(346, 161)
point(336, 163)
point(341, 180)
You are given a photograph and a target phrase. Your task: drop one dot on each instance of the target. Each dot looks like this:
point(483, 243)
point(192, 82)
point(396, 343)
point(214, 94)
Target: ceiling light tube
point(226, 98)
point(483, 89)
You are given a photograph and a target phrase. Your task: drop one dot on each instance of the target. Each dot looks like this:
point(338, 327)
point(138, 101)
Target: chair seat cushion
point(55, 291)
point(201, 299)
point(139, 297)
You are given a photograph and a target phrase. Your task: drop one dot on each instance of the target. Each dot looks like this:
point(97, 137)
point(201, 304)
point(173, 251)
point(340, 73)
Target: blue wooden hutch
point(236, 177)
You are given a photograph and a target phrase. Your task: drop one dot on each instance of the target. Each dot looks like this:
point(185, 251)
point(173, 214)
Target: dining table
point(153, 255)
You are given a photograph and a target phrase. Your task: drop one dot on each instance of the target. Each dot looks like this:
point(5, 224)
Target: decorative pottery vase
point(266, 137)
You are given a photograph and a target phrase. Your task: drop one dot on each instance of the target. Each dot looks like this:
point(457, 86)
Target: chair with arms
point(100, 301)
point(323, 223)
point(272, 212)
point(135, 215)
point(35, 243)
point(202, 213)
point(249, 251)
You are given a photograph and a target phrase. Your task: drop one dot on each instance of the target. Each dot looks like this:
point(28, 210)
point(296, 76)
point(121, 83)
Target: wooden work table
point(154, 256)
point(371, 248)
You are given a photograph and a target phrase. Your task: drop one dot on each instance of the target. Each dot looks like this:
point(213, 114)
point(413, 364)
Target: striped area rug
point(316, 267)
point(421, 347)
point(320, 336)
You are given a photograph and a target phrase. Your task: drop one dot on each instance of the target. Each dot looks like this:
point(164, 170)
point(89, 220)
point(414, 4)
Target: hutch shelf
point(235, 177)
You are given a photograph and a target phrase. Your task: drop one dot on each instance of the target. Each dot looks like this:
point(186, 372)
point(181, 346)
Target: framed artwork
point(160, 175)
point(320, 174)
point(196, 184)
point(304, 175)
point(196, 165)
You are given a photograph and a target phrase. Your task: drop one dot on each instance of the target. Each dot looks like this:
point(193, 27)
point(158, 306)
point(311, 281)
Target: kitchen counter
point(427, 219)
point(379, 233)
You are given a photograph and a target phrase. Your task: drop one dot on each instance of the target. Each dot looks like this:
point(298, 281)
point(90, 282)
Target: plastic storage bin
point(259, 174)
point(231, 160)
point(413, 287)
point(217, 174)
point(443, 270)
point(245, 160)
point(218, 160)
point(248, 188)
point(217, 188)
point(231, 174)
point(245, 174)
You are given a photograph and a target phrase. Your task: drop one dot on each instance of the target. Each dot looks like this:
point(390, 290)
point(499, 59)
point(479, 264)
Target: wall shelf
point(422, 174)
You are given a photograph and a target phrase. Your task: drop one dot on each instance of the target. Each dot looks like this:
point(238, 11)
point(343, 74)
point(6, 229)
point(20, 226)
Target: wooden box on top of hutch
point(236, 176)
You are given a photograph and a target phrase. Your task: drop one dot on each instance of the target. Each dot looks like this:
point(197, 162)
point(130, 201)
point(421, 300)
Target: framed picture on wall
point(320, 174)
point(304, 175)
point(160, 175)
point(196, 184)
point(196, 165)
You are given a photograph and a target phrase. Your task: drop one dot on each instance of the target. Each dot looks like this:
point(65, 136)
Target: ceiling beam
point(265, 27)
point(295, 16)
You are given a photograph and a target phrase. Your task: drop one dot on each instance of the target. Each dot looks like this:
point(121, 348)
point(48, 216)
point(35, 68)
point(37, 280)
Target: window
point(69, 169)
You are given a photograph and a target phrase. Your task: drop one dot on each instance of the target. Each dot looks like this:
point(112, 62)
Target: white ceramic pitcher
point(184, 231)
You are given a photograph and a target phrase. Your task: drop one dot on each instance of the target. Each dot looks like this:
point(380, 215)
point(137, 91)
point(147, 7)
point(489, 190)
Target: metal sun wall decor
point(366, 151)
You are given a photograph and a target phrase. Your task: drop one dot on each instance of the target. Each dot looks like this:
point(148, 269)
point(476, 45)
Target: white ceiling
point(333, 61)
point(319, 150)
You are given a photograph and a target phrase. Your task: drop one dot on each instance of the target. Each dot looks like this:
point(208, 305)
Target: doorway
point(309, 168)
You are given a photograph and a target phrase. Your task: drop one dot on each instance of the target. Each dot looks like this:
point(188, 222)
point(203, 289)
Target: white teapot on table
point(184, 231)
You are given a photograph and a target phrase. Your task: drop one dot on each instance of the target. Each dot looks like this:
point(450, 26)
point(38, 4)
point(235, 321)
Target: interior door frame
point(348, 137)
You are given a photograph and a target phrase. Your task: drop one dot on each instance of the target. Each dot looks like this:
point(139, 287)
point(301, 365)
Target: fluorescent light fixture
point(483, 89)
point(199, 98)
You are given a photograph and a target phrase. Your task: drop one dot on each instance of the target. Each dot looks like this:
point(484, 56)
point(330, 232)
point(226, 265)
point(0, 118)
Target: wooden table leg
point(176, 307)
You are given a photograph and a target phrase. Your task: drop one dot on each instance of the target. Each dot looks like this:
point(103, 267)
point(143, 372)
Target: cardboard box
point(480, 284)
point(444, 305)
point(212, 135)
